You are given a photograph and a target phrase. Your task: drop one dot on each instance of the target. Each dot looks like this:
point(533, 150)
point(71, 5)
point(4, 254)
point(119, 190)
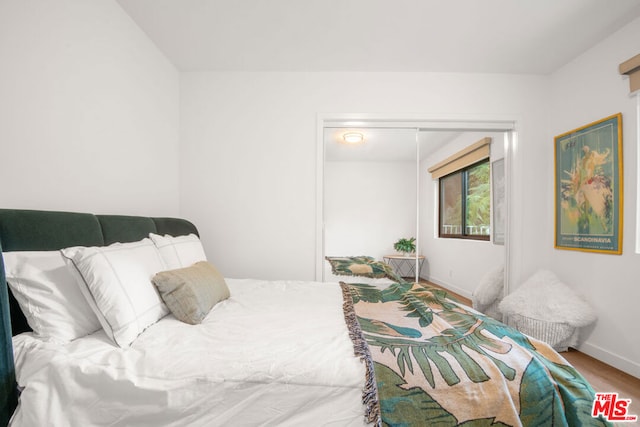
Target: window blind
point(631, 68)
point(474, 153)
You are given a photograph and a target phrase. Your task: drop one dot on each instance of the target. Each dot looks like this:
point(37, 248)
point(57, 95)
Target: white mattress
point(275, 353)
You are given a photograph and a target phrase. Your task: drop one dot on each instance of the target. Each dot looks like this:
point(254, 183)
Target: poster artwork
point(588, 187)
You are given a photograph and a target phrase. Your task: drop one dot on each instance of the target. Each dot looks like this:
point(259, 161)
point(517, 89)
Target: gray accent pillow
point(191, 292)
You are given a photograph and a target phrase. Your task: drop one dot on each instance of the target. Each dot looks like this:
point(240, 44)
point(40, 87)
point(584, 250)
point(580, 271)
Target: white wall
point(585, 90)
point(89, 111)
point(367, 207)
point(456, 264)
point(248, 144)
point(89, 121)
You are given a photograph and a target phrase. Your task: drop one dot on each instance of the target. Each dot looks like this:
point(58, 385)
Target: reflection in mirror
point(378, 190)
point(460, 262)
point(369, 193)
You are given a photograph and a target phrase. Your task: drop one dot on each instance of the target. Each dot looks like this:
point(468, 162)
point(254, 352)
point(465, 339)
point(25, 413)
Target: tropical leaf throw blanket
point(432, 361)
point(362, 266)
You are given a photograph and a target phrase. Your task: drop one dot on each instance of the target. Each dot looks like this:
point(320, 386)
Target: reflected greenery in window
point(465, 203)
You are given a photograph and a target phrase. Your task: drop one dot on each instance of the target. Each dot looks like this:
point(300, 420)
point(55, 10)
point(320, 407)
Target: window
point(465, 203)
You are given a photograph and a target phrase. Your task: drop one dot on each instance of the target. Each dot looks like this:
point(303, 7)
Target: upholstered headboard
point(31, 230)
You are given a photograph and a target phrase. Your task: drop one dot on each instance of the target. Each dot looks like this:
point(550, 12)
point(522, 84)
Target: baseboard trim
point(605, 356)
point(449, 286)
point(625, 365)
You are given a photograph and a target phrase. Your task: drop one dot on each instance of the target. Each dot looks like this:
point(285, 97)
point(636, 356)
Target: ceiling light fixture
point(353, 137)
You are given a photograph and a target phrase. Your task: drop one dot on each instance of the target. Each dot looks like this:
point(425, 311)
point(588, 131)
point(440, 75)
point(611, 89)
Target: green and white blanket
point(433, 361)
point(362, 266)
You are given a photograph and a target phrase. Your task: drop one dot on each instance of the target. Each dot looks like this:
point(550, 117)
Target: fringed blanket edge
point(361, 350)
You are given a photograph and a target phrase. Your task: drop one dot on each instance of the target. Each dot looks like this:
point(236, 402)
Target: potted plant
point(406, 246)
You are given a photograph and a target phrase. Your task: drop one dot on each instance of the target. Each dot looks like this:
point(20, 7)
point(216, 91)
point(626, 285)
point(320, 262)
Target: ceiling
point(392, 145)
point(467, 36)
point(385, 144)
point(474, 36)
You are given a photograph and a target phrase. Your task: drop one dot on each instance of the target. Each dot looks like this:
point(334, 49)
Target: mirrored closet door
point(370, 194)
point(376, 188)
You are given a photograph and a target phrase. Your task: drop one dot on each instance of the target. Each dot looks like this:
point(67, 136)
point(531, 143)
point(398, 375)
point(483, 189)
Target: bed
point(370, 350)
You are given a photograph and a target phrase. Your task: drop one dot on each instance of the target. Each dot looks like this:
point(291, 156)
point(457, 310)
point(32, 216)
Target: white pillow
point(48, 295)
point(116, 280)
point(179, 252)
point(490, 288)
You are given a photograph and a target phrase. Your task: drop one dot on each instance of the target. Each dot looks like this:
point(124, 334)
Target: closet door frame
point(421, 123)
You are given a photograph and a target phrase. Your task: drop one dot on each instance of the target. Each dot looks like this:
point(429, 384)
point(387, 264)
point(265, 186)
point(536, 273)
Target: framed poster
point(588, 187)
point(498, 208)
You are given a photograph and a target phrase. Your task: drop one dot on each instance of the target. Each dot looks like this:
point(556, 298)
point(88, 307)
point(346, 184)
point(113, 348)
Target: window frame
point(464, 189)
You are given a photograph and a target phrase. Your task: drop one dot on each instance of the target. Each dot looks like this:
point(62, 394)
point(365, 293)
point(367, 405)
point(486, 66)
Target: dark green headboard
point(31, 230)
point(8, 393)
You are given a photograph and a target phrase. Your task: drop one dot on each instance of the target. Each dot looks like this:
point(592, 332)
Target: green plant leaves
point(435, 342)
point(405, 245)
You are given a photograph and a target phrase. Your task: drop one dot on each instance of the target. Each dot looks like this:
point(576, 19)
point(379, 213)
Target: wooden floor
point(602, 377)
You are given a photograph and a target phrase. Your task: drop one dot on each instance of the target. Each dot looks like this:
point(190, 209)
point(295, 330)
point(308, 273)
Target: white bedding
point(275, 353)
